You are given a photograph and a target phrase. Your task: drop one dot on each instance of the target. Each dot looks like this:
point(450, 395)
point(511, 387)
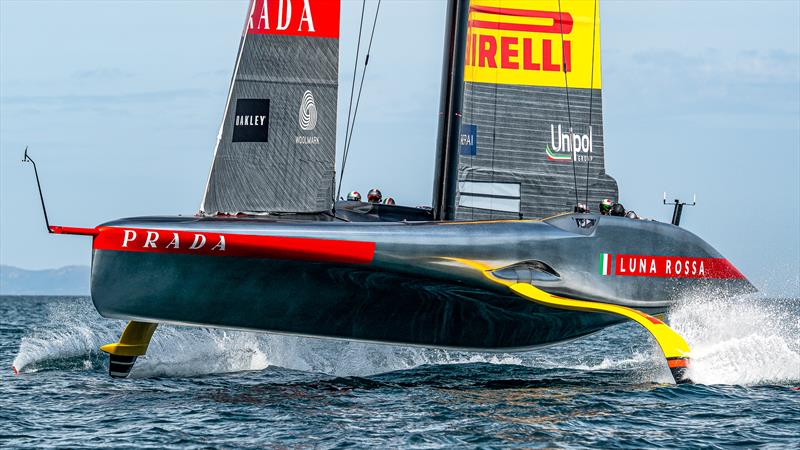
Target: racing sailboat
point(499, 263)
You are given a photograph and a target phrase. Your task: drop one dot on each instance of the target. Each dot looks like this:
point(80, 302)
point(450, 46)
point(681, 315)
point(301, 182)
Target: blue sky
point(120, 103)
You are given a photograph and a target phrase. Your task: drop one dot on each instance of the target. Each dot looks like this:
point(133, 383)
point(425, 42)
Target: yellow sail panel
point(534, 43)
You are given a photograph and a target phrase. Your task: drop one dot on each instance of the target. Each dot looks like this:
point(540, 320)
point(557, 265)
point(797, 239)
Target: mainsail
point(532, 130)
point(277, 143)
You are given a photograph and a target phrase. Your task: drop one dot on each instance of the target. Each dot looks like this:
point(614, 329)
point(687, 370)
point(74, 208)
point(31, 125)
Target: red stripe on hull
point(675, 267)
point(226, 244)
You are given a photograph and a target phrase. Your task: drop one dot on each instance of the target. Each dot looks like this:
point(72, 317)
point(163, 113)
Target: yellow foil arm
point(674, 347)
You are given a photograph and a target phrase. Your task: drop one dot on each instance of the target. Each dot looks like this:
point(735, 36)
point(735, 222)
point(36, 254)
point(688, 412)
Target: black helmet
point(374, 195)
point(581, 208)
point(617, 210)
point(354, 196)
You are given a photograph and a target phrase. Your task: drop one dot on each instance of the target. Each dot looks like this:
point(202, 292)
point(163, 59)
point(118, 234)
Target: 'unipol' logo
point(308, 112)
point(568, 146)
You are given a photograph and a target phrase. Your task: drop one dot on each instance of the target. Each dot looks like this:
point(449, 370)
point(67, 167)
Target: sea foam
point(747, 340)
point(733, 341)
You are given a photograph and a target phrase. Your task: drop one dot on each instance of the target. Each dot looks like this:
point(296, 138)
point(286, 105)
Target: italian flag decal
point(605, 264)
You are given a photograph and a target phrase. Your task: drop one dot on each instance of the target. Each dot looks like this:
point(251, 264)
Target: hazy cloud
point(102, 73)
point(106, 99)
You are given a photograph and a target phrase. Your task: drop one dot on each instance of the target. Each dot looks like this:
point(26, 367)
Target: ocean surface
point(211, 388)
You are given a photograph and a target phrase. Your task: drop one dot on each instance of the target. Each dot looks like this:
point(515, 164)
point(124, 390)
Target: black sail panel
point(277, 143)
point(530, 129)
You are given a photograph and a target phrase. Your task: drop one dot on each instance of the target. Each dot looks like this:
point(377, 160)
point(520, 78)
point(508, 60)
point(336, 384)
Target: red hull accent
point(227, 244)
point(56, 229)
point(674, 267)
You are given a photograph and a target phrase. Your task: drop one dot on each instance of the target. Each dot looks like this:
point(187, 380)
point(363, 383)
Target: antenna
point(27, 158)
point(676, 213)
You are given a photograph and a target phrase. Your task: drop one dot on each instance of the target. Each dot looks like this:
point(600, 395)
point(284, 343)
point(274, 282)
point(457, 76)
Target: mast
point(445, 182)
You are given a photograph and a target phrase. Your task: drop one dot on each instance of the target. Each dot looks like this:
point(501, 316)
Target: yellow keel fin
point(132, 344)
point(134, 340)
point(674, 347)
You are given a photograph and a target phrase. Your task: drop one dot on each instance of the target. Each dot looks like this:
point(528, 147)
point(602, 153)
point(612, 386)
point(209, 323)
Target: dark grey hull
point(318, 299)
point(415, 289)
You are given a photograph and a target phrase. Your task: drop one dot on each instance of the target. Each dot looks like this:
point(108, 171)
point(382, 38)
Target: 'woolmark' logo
point(308, 112)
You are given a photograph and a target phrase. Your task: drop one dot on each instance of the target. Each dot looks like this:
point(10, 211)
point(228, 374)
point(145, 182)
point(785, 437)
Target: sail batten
point(277, 143)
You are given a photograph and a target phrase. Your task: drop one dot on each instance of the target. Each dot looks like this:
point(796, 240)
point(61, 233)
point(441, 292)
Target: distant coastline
point(67, 280)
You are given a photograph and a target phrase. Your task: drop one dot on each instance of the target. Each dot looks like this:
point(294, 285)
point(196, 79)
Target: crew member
point(354, 196)
point(388, 201)
point(581, 208)
point(632, 215)
point(605, 206)
point(374, 195)
point(617, 210)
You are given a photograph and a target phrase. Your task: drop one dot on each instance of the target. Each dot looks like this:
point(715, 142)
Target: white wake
point(733, 342)
point(740, 341)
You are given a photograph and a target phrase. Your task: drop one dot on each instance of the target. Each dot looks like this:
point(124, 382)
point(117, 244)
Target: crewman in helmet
point(388, 201)
point(631, 214)
point(581, 208)
point(605, 206)
point(354, 196)
point(374, 195)
point(617, 210)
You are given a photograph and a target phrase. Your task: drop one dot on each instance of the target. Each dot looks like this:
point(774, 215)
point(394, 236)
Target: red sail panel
point(315, 18)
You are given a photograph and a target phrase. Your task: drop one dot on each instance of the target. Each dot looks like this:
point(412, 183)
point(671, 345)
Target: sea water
point(214, 388)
